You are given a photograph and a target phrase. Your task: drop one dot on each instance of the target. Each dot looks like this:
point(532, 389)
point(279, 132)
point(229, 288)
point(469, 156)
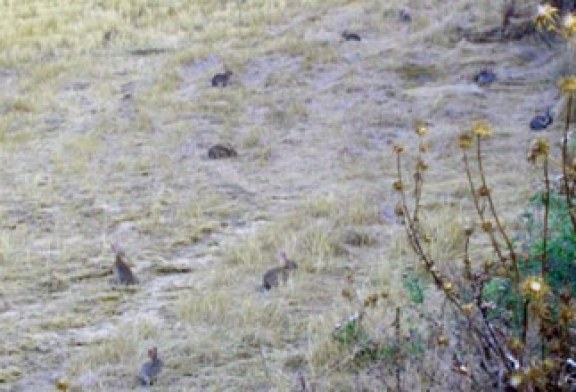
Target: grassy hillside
point(107, 114)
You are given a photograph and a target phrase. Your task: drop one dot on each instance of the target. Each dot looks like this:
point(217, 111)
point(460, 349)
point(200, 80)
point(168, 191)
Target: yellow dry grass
point(107, 115)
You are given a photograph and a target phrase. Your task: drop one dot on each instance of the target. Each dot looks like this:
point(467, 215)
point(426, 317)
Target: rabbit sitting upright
point(273, 276)
point(122, 271)
point(222, 79)
point(151, 369)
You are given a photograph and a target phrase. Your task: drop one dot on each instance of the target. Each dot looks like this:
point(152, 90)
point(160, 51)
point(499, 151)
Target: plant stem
point(544, 267)
point(495, 215)
point(565, 164)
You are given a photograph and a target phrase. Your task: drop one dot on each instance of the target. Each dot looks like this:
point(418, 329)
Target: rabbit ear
point(153, 353)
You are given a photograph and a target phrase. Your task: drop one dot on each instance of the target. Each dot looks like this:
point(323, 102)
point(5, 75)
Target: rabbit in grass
point(273, 276)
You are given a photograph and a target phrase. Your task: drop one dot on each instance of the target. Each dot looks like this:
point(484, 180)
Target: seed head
point(487, 226)
point(467, 309)
point(465, 140)
point(483, 191)
point(421, 165)
point(534, 287)
point(398, 149)
point(398, 186)
point(568, 84)
point(539, 148)
point(421, 129)
point(569, 25)
point(482, 129)
point(546, 16)
point(442, 340)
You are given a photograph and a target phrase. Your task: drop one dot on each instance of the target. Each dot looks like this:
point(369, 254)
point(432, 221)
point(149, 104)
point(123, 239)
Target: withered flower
point(421, 165)
point(569, 25)
point(482, 129)
point(398, 149)
point(567, 85)
point(465, 140)
point(539, 148)
point(487, 226)
point(468, 309)
point(483, 191)
point(442, 340)
point(346, 293)
point(534, 287)
point(421, 129)
point(546, 16)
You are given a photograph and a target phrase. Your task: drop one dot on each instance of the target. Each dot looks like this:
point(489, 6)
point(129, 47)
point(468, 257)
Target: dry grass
point(107, 115)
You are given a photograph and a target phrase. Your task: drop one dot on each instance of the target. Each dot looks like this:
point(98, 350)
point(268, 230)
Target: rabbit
point(272, 277)
point(485, 77)
point(151, 369)
point(542, 121)
point(348, 36)
point(219, 151)
point(122, 270)
point(222, 79)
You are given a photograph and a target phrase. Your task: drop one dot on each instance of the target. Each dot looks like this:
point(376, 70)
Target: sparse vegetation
point(107, 116)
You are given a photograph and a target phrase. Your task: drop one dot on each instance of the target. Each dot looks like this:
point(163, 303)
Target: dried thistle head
point(539, 148)
point(442, 340)
point(398, 186)
point(487, 226)
point(567, 85)
point(421, 128)
point(347, 293)
point(483, 191)
point(421, 165)
point(482, 129)
point(569, 25)
point(465, 140)
point(468, 309)
point(546, 16)
point(534, 288)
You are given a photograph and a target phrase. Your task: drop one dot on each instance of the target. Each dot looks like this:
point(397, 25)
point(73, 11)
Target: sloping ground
point(105, 138)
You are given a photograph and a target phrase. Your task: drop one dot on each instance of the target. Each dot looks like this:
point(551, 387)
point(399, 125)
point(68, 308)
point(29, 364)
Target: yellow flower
point(568, 85)
point(546, 16)
point(534, 287)
point(481, 129)
point(569, 24)
point(448, 287)
point(465, 140)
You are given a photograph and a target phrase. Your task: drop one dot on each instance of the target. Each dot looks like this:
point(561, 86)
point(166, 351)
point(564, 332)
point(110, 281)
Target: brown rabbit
point(219, 151)
point(222, 79)
point(150, 370)
point(272, 277)
point(122, 270)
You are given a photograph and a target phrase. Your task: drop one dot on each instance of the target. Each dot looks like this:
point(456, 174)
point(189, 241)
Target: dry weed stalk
point(508, 358)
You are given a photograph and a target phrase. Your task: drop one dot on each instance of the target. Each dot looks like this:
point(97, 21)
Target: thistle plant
point(526, 349)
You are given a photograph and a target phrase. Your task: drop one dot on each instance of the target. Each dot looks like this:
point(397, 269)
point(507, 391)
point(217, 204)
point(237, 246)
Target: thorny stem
point(479, 210)
point(525, 321)
point(495, 215)
point(414, 240)
point(398, 348)
point(565, 162)
point(418, 184)
point(544, 268)
point(467, 266)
